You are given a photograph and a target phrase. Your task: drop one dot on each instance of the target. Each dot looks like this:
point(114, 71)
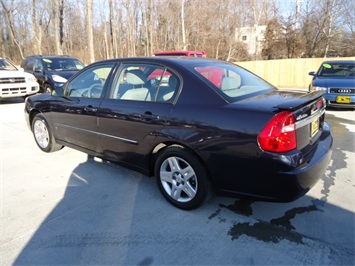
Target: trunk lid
point(280, 100)
point(307, 108)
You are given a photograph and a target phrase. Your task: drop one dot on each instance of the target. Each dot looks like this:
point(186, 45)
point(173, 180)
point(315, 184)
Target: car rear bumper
point(270, 180)
point(304, 178)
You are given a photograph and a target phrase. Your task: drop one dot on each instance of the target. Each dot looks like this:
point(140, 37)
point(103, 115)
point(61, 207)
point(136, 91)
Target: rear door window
point(145, 82)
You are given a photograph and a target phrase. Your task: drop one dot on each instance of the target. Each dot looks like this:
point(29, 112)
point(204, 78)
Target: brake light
point(279, 134)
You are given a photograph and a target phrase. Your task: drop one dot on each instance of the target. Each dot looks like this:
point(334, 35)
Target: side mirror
point(39, 70)
point(312, 73)
point(58, 92)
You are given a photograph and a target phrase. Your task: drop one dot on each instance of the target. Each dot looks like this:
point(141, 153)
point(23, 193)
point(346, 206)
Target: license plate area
point(343, 99)
point(314, 127)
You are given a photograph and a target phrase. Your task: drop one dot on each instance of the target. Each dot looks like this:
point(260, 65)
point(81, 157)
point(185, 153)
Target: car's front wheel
point(43, 135)
point(181, 178)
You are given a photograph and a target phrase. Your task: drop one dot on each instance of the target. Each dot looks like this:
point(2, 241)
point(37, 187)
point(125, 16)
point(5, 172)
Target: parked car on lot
point(337, 80)
point(15, 82)
point(245, 137)
point(182, 53)
point(51, 71)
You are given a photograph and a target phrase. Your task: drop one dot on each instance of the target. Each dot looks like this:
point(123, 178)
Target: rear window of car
point(231, 81)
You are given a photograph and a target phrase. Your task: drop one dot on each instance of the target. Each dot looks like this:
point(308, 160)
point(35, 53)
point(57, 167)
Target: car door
point(75, 115)
point(136, 111)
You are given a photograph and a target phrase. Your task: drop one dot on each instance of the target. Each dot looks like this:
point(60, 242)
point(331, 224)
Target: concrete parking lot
point(67, 208)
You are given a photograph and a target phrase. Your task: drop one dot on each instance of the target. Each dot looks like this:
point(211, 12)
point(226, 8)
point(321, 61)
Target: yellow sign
point(314, 127)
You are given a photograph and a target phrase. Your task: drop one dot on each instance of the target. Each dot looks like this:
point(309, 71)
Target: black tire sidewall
point(201, 175)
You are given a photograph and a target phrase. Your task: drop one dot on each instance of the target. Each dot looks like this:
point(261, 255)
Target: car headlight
point(31, 79)
point(60, 79)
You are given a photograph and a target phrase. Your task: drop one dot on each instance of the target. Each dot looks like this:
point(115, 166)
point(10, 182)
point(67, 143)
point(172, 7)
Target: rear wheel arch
point(162, 146)
point(181, 176)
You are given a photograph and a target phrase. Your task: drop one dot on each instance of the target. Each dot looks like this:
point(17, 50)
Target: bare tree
point(141, 27)
point(10, 22)
point(55, 7)
point(90, 38)
point(333, 9)
point(183, 33)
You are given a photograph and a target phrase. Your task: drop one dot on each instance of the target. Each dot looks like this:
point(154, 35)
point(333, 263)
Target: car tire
point(181, 178)
point(43, 136)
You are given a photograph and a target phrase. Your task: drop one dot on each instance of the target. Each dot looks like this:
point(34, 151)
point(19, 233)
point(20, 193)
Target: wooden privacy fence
point(287, 73)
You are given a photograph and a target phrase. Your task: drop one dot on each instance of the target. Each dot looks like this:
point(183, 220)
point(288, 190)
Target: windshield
point(231, 81)
point(337, 70)
point(6, 65)
point(62, 64)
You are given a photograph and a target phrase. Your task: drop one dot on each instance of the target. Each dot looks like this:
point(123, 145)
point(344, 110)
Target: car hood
point(334, 82)
point(14, 74)
point(279, 100)
point(64, 74)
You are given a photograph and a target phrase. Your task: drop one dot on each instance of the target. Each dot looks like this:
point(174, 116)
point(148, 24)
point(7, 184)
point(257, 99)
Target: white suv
point(15, 82)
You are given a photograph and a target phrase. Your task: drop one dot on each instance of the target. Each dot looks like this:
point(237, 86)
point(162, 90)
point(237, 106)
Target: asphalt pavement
point(67, 208)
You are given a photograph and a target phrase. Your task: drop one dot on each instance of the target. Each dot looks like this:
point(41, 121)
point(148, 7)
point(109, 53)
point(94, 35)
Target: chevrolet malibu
point(191, 123)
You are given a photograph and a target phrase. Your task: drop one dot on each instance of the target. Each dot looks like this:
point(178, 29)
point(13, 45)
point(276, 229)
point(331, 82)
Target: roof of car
point(51, 56)
point(180, 52)
point(167, 59)
point(339, 62)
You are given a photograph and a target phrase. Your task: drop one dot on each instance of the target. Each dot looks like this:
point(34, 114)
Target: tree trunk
point(90, 39)
point(9, 21)
point(184, 45)
point(112, 37)
point(61, 24)
point(55, 8)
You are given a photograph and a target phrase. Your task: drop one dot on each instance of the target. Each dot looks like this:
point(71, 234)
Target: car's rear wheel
point(43, 135)
point(181, 178)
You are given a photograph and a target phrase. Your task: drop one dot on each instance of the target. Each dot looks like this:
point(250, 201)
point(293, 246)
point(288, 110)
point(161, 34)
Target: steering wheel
point(95, 91)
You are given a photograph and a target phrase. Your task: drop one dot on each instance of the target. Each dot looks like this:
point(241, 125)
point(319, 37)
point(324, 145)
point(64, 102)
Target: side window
point(145, 82)
point(29, 64)
point(168, 88)
point(89, 83)
point(38, 67)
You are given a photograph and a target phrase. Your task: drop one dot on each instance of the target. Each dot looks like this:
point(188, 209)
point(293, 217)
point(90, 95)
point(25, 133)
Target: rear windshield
point(231, 81)
point(337, 70)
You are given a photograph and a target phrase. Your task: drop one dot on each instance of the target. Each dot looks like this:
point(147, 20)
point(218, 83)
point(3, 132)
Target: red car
point(182, 53)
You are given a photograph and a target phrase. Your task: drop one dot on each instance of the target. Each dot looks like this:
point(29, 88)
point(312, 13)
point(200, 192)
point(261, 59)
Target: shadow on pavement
point(111, 215)
point(12, 100)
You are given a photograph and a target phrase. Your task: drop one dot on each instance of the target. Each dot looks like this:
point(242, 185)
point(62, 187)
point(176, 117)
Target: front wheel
point(181, 178)
point(43, 135)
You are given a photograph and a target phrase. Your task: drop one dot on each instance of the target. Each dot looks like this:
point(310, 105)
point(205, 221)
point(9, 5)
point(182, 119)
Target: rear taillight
point(279, 135)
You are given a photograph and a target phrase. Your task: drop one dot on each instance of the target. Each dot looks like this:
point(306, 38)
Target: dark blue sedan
point(191, 123)
point(337, 80)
